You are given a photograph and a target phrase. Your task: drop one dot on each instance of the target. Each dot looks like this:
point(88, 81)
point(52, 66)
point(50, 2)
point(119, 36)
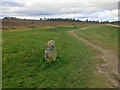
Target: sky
point(79, 9)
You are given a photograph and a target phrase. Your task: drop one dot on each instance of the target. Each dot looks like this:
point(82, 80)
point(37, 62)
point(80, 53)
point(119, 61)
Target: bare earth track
point(113, 25)
point(111, 65)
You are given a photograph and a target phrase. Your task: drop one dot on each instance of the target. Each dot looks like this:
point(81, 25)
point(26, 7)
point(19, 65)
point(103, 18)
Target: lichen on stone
point(50, 51)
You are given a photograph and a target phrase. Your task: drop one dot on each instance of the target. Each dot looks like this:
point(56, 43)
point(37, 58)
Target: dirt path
point(113, 25)
point(111, 65)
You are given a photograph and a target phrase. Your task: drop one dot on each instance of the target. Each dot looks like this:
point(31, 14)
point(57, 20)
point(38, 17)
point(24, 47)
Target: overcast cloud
point(35, 9)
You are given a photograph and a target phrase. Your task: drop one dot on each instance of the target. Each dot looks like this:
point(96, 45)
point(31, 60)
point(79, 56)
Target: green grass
point(24, 66)
point(102, 35)
point(116, 77)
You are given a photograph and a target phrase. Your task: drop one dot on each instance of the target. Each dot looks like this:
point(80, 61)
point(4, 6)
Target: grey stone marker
point(75, 26)
point(54, 29)
point(50, 51)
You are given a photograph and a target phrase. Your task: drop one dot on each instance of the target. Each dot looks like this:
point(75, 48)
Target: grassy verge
point(102, 35)
point(24, 66)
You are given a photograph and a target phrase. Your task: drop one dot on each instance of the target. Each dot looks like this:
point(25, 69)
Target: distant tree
point(77, 20)
point(40, 18)
point(60, 19)
point(45, 18)
point(97, 21)
point(73, 19)
point(86, 20)
point(5, 18)
point(10, 18)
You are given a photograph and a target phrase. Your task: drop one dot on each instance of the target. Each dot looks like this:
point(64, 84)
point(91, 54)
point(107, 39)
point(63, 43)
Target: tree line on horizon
point(66, 19)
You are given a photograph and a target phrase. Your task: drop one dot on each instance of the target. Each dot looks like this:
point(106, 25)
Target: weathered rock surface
point(50, 51)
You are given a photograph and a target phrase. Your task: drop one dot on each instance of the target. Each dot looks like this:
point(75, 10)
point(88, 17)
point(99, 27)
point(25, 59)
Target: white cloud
point(91, 9)
point(109, 14)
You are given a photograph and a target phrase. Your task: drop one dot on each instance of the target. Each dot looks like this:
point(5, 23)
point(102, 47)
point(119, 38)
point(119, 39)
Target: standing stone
point(50, 51)
point(54, 29)
point(75, 26)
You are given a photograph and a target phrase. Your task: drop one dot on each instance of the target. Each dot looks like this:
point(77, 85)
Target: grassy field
point(21, 24)
point(102, 35)
point(24, 66)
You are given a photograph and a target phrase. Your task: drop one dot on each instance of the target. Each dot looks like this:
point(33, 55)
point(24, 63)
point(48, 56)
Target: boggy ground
point(24, 65)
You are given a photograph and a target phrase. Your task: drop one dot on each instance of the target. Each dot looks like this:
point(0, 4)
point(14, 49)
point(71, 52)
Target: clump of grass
point(5, 22)
point(4, 28)
point(31, 27)
point(13, 28)
point(47, 65)
point(116, 77)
